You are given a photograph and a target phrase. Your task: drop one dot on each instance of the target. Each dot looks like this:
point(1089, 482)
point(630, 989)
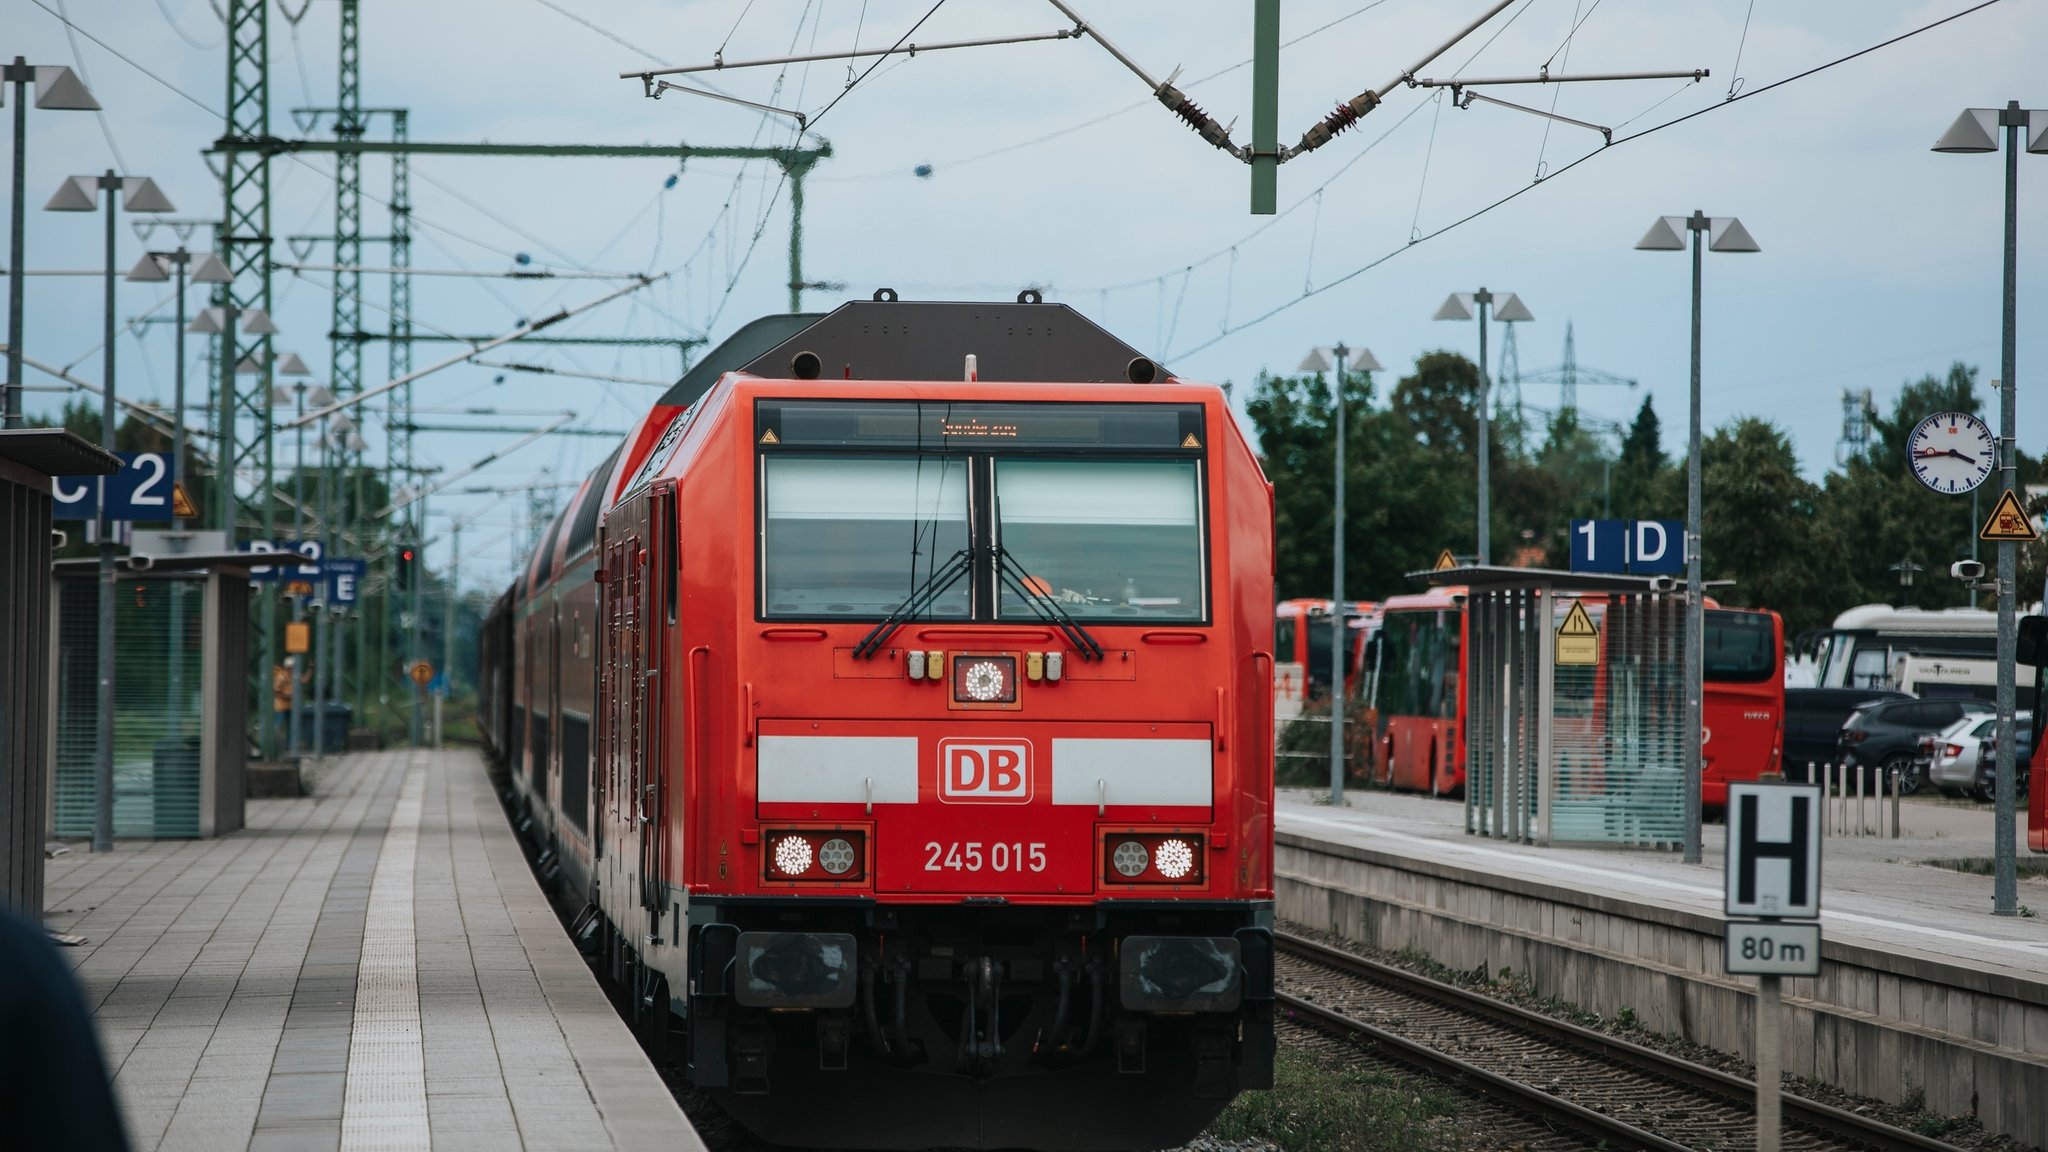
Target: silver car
point(1956, 753)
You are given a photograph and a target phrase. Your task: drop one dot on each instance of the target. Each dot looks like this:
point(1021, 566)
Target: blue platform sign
point(1600, 546)
point(344, 577)
point(141, 490)
point(307, 567)
point(1656, 547)
point(1635, 547)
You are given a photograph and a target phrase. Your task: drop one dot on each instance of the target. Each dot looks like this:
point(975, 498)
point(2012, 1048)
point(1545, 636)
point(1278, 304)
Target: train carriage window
point(1109, 539)
point(853, 535)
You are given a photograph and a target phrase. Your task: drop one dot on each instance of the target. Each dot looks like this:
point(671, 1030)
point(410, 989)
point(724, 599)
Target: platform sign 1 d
point(1638, 547)
point(1773, 866)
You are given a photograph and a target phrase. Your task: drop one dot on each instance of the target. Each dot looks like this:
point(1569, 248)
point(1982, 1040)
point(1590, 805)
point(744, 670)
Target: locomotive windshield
point(895, 510)
point(852, 535)
point(1108, 539)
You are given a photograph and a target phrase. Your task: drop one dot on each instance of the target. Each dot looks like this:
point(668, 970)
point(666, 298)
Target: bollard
point(1862, 821)
point(1895, 804)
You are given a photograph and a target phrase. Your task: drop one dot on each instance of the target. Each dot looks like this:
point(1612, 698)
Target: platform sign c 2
point(307, 568)
point(140, 491)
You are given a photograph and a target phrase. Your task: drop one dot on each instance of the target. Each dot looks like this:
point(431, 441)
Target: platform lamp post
point(1507, 308)
point(1906, 570)
point(289, 364)
point(1322, 360)
point(222, 321)
point(82, 194)
point(1721, 234)
point(57, 88)
point(155, 268)
point(1972, 132)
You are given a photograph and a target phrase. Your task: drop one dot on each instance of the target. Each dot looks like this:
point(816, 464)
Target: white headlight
point(1176, 859)
point(793, 855)
point(1130, 859)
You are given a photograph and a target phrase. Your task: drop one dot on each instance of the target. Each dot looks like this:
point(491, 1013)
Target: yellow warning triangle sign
point(2008, 521)
point(181, 504)
point(1577, 623)
point(1445, 561)
point(769, 437)
point(1189, 441)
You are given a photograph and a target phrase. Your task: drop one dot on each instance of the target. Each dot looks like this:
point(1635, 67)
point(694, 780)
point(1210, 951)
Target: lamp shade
point(1362, 360)
point(2037, 131)
point(140, 194)
point(1976, 130)
point(78, 194)
point(279, 396)
point(1510, 308)
point(319, 396)
point(1728, 235)
point(209, 270)
point(249, 365)
point(59, 89)
point(340, 420)
point(148, 270)
point(1666, 235)
point(356, 443)
point(1456, 306)
point(289, 364)
point(256, 322)
point(1317, 360)
point(209, 322)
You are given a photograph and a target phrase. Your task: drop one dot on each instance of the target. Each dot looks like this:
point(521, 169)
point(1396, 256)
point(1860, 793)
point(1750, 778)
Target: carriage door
point(619, 661)
point(657, 569)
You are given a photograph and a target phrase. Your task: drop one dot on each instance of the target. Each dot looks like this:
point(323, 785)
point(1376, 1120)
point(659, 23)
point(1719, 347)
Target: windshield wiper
point(1047, 608)
point(920, 598)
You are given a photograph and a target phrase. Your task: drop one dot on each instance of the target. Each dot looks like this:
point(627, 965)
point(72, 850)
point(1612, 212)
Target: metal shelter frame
point(1513, 762)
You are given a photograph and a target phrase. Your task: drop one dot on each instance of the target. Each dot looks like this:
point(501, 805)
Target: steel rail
point(1811, 1114)
point(1611, 1132)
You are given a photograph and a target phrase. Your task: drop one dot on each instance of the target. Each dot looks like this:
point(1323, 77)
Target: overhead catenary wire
point(522, 331)
point(722, 65)
point(486, 461)
point(1517, 193)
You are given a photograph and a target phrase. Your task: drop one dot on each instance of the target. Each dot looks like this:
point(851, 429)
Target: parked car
point(1985, 787)
point(1885, 736)
point(1813, 723)
point(1958, 757)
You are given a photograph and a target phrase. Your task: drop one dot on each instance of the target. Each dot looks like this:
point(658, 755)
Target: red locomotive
point(910, 729)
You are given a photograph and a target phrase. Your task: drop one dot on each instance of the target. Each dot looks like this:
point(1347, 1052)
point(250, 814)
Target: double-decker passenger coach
point(929, 779)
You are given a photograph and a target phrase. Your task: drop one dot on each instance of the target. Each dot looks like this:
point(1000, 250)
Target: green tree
point(1764, 529)
point(1641, 468)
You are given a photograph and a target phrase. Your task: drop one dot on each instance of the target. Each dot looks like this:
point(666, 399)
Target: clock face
point(1952, 452)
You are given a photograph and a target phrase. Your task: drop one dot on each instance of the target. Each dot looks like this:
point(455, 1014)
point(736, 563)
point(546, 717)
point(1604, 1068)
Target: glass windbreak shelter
point(1574, 705)
point(180, 698)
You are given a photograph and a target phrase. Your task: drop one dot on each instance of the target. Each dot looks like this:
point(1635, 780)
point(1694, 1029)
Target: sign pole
point(1769, 1065)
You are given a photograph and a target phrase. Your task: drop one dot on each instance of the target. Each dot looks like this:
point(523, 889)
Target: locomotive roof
point(930, 340)
point(733, 352)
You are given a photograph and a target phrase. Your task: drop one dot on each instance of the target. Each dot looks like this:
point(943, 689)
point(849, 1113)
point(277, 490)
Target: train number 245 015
point(974, 856)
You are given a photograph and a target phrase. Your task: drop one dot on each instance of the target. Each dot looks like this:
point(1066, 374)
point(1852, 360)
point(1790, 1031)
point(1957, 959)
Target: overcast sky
point(1050, 166)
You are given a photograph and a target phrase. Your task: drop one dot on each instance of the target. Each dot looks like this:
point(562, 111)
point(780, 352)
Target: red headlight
point(815, 855)
point(985, 679)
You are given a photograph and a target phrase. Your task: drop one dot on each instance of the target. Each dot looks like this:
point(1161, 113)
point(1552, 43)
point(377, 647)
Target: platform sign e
point(1773, 866)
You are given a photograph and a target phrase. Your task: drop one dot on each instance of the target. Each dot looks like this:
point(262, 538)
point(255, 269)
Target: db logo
point(984, 772)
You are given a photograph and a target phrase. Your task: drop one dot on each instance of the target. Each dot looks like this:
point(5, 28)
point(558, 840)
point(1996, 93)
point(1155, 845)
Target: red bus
point(1301, 645)
point(1414, 677)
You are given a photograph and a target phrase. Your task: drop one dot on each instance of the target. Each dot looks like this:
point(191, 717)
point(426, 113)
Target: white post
point(1895, 805)
point(1769, 1064)
point(1862, 820)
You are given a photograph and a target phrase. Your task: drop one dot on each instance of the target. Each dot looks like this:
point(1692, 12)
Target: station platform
point(371, 966)
point(1924, 997)
point(1877, 892)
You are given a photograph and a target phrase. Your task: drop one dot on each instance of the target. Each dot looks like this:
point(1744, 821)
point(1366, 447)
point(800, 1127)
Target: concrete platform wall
point(1878, 1024)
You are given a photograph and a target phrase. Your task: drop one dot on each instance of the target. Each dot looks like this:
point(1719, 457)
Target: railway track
point(1613, 1091)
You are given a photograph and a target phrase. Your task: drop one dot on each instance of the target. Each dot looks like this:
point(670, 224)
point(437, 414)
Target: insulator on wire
point(1345, 115)
point(1204, 124)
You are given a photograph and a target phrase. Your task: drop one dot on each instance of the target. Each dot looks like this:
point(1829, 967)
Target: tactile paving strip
point(384, 1106)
